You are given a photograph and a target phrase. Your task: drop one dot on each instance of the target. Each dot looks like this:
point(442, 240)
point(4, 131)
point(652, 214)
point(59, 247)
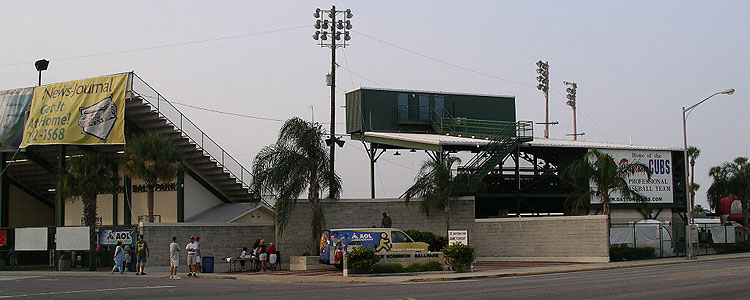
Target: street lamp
point(324, 19)
point(41, 65)
point(688, 199)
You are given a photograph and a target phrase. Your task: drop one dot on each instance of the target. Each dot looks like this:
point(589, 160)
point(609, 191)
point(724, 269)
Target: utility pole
point(543, 78)
point(324, 20)
point(572, 103)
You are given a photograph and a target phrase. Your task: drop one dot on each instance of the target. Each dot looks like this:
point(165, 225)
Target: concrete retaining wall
point(569, 238)
point(346, 213)
point(217, 240)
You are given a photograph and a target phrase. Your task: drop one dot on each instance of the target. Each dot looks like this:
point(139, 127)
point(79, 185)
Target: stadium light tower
point(543, 78)
point(339, 29)
point(572, 103)
point(688, 200)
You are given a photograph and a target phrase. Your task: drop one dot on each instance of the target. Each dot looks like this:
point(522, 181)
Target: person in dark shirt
point(262, 255)
point(386, 222)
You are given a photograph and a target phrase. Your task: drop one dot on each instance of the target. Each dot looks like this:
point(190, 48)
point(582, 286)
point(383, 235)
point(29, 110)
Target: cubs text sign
point(659, 188)
point(83, 112)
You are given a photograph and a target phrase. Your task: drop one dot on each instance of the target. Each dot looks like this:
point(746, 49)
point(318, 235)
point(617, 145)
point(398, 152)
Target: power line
point(162, 46)
point(442, 61)
point(223, 112)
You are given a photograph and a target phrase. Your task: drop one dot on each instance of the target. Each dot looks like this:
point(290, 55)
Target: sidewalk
point(443, 276)
point(412, 277)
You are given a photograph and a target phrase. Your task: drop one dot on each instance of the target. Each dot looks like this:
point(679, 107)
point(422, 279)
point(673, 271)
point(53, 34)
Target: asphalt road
point(726, 279)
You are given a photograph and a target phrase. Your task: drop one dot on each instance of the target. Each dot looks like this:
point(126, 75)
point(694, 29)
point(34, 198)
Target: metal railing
point(189, 130)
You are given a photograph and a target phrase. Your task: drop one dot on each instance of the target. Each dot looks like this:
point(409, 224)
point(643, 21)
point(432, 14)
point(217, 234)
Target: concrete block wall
point(217, 240)
point(568, 238)
point(359, 213)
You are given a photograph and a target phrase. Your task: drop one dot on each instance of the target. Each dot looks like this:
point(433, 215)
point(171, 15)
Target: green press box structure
point(381, 110)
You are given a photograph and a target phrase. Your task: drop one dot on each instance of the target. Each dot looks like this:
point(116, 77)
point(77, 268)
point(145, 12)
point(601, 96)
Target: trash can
point(208, 264)
point(63, 264)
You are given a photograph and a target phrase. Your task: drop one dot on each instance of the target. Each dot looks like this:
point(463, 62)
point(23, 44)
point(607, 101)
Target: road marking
point(9, 278)
point(439, 281)
point(702, 272)
point(88, 291)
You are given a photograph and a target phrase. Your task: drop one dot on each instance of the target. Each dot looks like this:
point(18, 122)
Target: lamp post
point(688, 199)
point(324, 19)
point(41, 65)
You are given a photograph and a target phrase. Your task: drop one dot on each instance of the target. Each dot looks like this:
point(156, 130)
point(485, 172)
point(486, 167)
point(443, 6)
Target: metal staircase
point(150, 111)
point(504, 137)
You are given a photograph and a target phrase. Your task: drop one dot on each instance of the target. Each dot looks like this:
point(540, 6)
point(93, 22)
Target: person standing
point(192, 253)
point(254, 263)
point(243, 257)
point(141, 252)
point(262, 255)
point(174, 258)
point(386, 222)
point(13, 258)
point(128, 257)
point(198, 259)
point(272, 256)
point(119, 257)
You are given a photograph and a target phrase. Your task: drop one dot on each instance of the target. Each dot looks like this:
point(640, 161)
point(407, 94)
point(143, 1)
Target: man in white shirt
point(174, 257)
point(192, 255)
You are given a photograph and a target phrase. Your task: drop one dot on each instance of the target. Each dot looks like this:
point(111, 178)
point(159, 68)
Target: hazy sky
point(636, 64)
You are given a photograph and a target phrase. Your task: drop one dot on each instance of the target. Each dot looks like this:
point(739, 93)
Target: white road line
point(88, 291)
point(8, 278)
point(439, 281)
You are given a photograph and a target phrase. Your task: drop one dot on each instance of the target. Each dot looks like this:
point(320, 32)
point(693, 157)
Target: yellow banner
point(84, 112)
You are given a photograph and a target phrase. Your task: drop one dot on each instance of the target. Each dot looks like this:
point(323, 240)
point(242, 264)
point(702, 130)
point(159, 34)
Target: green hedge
point(436, 242)
point(459, 257)
point(628, 254)
point(388, 268)
point(741, 246)
point(361, 260)
point(411, 268)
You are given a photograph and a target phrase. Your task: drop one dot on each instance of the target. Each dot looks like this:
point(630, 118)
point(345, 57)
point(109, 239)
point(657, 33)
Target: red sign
point(3, 238)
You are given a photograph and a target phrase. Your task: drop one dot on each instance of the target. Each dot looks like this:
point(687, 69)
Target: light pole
point(572, 103)
point(324, 19)
point(543, 78)
point(41, 65)
point(688, 199)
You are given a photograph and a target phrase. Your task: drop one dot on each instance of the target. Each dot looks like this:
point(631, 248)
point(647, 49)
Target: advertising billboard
point(658, 189)
point(14, 105)
point(110, 236)
point(83, 112)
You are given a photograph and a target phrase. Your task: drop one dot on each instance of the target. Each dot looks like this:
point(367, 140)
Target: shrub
point(414, 267)
point(436, 242)
point(411, 268)
point(459, 257)
point(432, 266)
point(741, 246)
point(361, 260)
point(627, 253)
point(388, 268)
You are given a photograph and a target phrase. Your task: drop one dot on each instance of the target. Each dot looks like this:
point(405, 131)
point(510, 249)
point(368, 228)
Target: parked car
point(334, 243)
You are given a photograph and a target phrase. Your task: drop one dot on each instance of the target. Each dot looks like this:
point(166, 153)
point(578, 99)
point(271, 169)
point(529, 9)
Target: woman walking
point(119, 258)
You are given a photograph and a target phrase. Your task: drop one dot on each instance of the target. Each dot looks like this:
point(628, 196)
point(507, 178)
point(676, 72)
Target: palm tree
point(298, 161)
point(693, 153)
point(152, 158)
point(84, 178)
point(597, 175)
point(436, 185)
point(731, 179)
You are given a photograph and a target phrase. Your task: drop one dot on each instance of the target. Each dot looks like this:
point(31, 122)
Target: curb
point(578, 269)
